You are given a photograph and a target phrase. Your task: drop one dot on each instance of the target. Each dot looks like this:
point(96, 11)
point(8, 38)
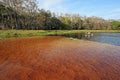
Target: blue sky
point(108, 9)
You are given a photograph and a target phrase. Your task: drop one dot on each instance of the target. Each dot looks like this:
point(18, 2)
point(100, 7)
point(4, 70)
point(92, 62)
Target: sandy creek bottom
point(58, 58)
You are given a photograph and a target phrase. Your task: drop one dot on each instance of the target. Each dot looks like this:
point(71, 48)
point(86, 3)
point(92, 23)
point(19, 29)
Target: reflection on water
point(110, 38)
point(85, 36)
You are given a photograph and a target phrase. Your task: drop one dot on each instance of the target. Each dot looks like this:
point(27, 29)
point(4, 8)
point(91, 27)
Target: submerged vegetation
point(25, 15)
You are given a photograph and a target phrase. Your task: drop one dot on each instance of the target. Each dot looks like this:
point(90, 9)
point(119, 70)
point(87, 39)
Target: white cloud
point(48, 4)
point(57, 6)
point(116, 10)
point(113, 14)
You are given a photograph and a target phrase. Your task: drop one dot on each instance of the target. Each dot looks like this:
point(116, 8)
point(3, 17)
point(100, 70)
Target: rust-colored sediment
point(58, 58)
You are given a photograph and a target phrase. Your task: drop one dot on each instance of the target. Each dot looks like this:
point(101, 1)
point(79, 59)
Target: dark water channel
point(109, 38)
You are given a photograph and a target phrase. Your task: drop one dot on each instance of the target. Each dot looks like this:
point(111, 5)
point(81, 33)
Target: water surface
point(58, 58)
point(109, 38)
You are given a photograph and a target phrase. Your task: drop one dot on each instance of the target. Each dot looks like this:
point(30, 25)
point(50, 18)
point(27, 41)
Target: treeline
point(25, 14)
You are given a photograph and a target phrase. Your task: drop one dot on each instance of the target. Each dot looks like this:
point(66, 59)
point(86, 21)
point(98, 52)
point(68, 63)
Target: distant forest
point(25, 15)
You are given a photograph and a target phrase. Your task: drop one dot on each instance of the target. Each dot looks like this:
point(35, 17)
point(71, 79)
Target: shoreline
point(29, 33)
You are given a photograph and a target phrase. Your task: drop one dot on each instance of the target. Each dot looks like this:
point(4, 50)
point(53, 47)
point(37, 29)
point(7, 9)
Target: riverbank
point(58, 58)
point(29, 33)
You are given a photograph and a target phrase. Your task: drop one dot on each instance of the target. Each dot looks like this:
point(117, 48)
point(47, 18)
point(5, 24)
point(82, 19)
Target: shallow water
point(58, 58)
point(109, 38)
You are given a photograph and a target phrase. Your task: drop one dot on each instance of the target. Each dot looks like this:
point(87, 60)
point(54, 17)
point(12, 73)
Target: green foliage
point(115, 25)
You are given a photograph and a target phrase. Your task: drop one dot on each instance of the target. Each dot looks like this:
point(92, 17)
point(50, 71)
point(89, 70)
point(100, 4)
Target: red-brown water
point(58, 58)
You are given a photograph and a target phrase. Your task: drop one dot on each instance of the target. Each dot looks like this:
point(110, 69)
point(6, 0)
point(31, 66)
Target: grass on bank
point(22, 33)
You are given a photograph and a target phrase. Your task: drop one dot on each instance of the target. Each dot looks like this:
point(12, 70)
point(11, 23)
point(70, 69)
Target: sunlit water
point(109, 38)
